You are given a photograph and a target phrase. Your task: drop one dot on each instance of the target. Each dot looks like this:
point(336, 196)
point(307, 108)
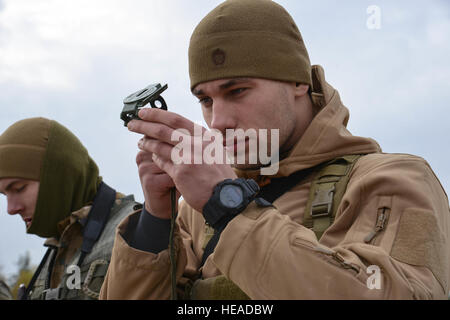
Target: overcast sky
point(75, 60)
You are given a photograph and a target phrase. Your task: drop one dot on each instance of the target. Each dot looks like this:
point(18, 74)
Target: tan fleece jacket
point(270, 255)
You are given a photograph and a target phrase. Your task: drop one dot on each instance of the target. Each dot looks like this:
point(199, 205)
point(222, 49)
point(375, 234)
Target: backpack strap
point(97, 218)
point(24, 291)
point(326, 192)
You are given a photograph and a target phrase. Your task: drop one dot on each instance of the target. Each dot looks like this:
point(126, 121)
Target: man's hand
point(156, 185)
point(159, 173)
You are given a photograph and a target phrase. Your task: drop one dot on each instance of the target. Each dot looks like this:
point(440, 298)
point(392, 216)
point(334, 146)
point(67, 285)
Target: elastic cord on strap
point(173, 272)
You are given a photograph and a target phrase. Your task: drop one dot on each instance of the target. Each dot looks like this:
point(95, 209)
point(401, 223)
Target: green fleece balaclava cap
point(248, 38)
point(44, 150)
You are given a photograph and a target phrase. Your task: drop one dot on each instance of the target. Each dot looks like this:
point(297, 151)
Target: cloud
point(50, 43)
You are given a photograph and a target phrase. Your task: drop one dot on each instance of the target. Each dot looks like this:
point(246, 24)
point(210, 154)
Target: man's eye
point(205, 101)
point(20, 189)
point(238, 91)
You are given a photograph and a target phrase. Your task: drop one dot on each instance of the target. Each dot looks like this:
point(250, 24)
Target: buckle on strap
point(322, 203)
point(52, 294)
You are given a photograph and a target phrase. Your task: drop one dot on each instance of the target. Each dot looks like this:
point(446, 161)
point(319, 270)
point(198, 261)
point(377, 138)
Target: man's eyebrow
point(232, 82)
point(224, 86)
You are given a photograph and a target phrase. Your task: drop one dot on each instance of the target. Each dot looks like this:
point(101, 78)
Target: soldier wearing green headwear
point(50, 180)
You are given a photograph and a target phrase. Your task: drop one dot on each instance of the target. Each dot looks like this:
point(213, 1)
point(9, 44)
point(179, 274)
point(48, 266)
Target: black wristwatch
point(229, 198)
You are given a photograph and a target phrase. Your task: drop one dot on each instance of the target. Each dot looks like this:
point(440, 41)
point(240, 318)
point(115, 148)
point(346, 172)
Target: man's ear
point(301, 89)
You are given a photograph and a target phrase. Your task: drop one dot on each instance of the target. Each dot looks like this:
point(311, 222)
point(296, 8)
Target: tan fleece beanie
point(248, 38)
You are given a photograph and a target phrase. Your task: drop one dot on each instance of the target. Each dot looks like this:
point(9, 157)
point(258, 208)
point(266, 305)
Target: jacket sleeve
point(138, 275)
point(269, 256)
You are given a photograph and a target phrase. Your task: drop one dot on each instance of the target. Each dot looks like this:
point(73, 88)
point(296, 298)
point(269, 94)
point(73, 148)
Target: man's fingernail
point(143, 113)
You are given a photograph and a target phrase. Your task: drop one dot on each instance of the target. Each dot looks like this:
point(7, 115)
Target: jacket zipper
point(382, 217)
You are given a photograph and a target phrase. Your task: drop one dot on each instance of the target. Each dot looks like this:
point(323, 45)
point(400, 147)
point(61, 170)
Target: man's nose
point(14, 207)
point(223, 117)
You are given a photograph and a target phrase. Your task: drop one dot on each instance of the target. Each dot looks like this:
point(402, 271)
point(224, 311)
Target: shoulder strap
point(326, 192)
point(279, 186)
point(24, 292)
point(97, 218)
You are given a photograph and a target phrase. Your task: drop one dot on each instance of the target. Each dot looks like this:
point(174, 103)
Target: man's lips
point(27, 221)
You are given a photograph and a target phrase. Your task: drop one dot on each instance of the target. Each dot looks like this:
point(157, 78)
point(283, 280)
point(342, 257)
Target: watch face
point(231, 196)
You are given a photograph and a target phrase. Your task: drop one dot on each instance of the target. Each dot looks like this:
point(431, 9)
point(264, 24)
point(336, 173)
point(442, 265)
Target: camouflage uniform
point(61, 283)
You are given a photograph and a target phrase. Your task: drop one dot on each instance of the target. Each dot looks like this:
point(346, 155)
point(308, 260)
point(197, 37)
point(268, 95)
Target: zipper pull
point(370, 236)
point(379, 226)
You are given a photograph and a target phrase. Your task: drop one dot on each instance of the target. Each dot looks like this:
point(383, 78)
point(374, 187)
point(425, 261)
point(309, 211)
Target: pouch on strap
point(92, 276)
point(326, 192)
